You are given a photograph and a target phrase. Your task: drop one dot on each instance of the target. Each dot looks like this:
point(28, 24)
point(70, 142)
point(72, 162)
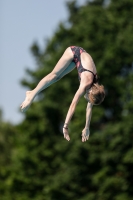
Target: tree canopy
point(36, 162)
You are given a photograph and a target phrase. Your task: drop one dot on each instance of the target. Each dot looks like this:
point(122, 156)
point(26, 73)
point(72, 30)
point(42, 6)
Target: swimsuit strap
point(95, 80)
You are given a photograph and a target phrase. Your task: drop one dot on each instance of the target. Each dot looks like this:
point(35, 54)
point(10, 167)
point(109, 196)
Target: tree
point(7, 149)
point(45, 166)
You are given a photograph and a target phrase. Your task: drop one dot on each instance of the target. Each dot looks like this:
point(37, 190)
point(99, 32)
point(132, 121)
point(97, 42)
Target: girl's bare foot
point(27, 102)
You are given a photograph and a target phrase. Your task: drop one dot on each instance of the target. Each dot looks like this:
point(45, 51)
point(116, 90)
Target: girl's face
point(86, 96)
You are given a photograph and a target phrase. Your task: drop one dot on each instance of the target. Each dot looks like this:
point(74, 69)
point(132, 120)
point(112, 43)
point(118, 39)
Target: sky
point(21, 24)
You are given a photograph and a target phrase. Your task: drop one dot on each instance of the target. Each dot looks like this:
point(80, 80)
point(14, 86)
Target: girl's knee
point(54, 76)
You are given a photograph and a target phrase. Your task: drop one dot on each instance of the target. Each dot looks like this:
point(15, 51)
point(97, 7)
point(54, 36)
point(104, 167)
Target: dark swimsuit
point(77, 52)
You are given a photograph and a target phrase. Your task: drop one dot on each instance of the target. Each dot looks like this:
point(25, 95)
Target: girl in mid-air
point(89, 87)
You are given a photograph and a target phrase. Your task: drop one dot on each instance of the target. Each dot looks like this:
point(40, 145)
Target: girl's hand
point(66, 134)
point(85, 134)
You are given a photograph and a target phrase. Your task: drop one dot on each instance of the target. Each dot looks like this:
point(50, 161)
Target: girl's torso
point(83, 62)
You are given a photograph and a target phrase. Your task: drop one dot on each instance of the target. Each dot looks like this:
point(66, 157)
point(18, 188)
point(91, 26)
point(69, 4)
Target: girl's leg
point(58, 72)
point(66, 71)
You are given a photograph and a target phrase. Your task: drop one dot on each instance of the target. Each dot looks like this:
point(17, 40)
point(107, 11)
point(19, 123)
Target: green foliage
point(8, 136)
point(43, 166)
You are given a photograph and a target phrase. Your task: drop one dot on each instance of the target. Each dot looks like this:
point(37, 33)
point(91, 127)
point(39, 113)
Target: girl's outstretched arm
point(84, 84)
point(71, 111)
point(86, 130)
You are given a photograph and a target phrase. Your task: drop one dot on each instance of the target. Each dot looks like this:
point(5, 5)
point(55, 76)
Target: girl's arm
point(72, 107)
point(85, 82)
point(71, 111)
point(86, 132)
point(88, 115)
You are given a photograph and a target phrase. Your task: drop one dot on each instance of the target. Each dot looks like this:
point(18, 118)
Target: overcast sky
point(22, 23)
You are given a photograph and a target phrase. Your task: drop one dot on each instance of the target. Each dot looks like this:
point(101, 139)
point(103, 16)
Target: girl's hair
point(97, 94)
